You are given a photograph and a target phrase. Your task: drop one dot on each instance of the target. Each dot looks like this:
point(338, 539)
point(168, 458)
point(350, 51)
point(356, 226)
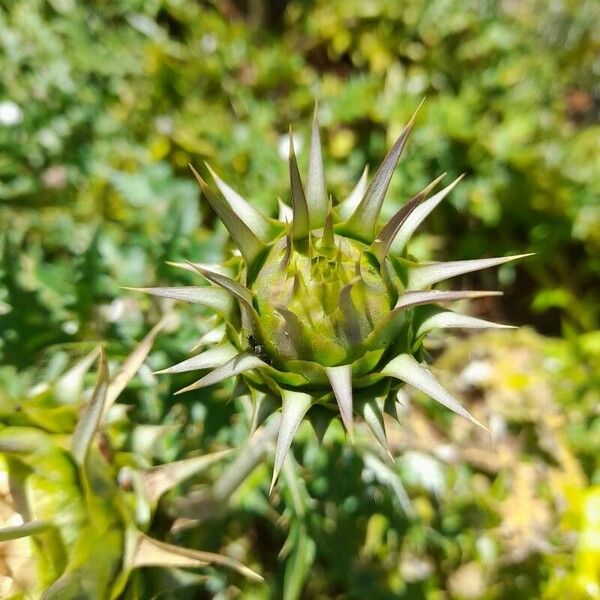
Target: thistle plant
point(75, 508)
point(323, 308)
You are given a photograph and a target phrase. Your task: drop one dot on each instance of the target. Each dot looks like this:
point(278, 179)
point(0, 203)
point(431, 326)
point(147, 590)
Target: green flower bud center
point(320, 300)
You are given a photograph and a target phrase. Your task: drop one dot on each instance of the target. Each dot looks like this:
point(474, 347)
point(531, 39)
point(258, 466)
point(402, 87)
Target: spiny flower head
point(318, 309)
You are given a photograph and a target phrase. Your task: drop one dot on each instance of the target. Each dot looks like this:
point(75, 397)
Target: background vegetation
point(102, 107)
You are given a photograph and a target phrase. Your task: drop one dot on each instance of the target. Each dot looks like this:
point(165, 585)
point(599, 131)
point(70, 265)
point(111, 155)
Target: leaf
point(132, 364)
point(213, 357)
point(448, 319)
point(159, 480)
point(249, 244)
point(293, 408)
point(90, 417)
point(255, 220)
point(242, 293)
point(316, 191)
point(406, 368)
point(193, 267)
point(362, 223)
point(300, 219)
point(385, 237)
point(341, 382)
point(327, 241)
point(418, 215)
point(218, 300)
point(410, 299)
point(423, 276)
point(152, 553)
point(245, 361)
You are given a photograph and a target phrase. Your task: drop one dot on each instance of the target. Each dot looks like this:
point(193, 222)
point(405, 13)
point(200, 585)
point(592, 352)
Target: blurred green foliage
point(104, 104)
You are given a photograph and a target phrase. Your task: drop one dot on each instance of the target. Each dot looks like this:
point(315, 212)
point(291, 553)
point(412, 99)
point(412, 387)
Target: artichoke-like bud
point(318, 309)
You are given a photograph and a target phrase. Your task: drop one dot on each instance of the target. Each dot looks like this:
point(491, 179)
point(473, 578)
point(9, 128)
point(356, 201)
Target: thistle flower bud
point(323, 313)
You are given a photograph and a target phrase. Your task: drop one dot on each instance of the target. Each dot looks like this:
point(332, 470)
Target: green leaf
point(406, 368)
point(300, 218)
point(91, 415)
point(249, 244)
point(361, 225)
point(217, 300)
point(341, 382)
point(132, 364)
point(213, 357)
point(293, 408)
point(418, 215)
point(316, 191)
point(423, 276)
point(245, 361)
point(255, 220)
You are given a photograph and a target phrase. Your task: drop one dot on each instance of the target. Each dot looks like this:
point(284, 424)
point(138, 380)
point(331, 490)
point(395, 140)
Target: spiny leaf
point(406, 368)
point(373, 416)
point(316, 192)
point(327, 241)
point(162, 478)
point(192, 266)
point(132, 364)
point(293, 408)
point(448, 319)
point(347, 206)
point(255, 220)
point(364, 219)
point(341, 382)
point(244, 361)
point(386, 236)
point(423, 276)
point(218, 300)
point(249, 244)
point(213, 357)
point(418, 215)
point(233, 287)
point(410, 299)
point(152, 553)
point(90, 418)
point(300, 219)
point(387, 328)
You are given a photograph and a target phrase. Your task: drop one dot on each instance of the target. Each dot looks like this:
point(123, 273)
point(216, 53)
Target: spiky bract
point(318, 309)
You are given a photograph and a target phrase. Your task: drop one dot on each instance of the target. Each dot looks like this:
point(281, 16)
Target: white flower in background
point(10, 113)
